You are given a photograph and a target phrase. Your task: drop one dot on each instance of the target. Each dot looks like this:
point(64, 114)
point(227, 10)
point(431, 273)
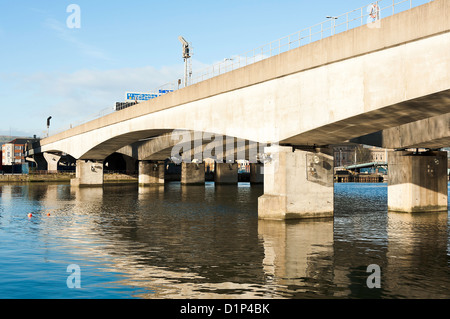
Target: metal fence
point(365, 15)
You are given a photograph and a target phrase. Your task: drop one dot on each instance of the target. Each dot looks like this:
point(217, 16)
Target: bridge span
point(387, 80)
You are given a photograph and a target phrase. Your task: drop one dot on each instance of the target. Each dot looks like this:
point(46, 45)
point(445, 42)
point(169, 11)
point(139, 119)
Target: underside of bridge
point(185, 148)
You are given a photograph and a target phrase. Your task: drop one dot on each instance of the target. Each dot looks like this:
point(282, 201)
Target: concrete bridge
point(384, 86)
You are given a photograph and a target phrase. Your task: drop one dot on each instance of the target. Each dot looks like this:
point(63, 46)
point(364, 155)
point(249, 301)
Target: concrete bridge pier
point(226, 173)
point(52, 161)
point(192, 173)
point(46, 161)
point(417, 182)
point(151, 173)
point(130, 164)
point(297, 184)
point(88, 173)
point(256, 173)
point(41, 163)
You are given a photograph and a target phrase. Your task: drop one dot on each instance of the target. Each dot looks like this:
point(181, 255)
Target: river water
point(207, 242)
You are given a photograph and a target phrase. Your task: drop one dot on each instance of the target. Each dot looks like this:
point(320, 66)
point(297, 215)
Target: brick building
point(13, 153)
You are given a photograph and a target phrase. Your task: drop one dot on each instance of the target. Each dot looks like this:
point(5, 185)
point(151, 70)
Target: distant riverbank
point(108, 178)
point(60, 177)
point(119, 177)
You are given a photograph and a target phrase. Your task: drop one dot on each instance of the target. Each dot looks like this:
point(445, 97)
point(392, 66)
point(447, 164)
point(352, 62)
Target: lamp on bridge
point(186, 56)
point(48, 125)
point(333, 24)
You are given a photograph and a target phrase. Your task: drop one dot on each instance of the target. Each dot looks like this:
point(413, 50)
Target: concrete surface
point(150, 173)
point(417, 183)
point(88, 173)
point(226, 173)
point(192, 173)
point(297, 185)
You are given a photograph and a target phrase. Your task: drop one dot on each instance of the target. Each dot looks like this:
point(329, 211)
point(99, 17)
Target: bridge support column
point(88, 173)
point(151, 173)
point(52, 161)
point(41, 162)
point(256, 173)
point(417, 182)
point(297, 185)
point(226, 173)
point(192, 173)
point(46, 161)
point(130, 164)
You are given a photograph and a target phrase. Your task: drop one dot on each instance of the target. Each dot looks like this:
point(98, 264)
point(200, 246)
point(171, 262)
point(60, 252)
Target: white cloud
point(67, 35)
point(74, 97)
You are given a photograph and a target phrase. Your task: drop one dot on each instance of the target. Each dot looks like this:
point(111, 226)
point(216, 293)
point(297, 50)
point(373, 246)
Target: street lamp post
point(333, 23)
point(48, 125)
point(186, 56)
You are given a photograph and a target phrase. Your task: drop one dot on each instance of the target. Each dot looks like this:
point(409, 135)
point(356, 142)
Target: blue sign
point(165, 91)
point(141, 96)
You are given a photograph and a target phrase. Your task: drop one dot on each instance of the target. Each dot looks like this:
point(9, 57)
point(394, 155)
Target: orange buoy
point(48, 214)
point(30, 215)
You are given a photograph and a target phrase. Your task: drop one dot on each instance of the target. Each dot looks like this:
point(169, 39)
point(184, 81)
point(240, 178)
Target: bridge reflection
point(207, 242)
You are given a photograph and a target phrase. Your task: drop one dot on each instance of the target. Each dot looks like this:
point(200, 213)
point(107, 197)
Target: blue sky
point(48, 69)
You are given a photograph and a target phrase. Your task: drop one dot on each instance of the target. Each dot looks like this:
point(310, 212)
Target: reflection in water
point(417, 249)
point(298, 255)
point(177, 241)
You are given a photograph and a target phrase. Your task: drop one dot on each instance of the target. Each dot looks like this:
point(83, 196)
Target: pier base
point(417, 182)
point(88, 173)
point(226, 173)
point(192, 173)
point(297, 185)
point(151, 173)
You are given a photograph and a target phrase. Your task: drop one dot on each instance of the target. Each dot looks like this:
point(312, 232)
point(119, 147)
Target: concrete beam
point(431, 133)
point(193, 145)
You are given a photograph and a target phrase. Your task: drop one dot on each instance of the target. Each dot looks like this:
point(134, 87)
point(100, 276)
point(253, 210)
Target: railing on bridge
point(365, 15)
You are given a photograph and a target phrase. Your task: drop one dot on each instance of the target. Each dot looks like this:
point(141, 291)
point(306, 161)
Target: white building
point(8, 154)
